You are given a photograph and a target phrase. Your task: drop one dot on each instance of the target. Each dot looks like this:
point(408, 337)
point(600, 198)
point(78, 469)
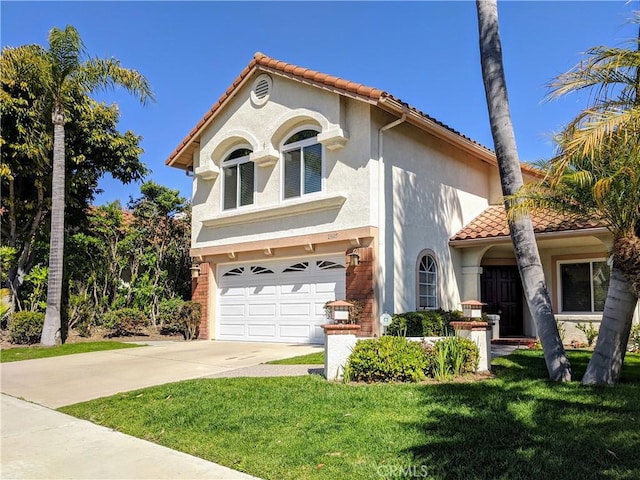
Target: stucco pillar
point(339, 340)
point(480, 334)
point(471, 283)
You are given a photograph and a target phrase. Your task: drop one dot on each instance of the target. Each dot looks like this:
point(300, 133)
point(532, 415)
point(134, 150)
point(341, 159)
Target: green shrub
point(634, 338)
point(81, 312)
point(168, 311)
point(589, 331)
point(178, 316)
point(190, 315)
point(386, 359)
point(25, 327)
point(423, 323)
point(451, 357)
point(124, 322)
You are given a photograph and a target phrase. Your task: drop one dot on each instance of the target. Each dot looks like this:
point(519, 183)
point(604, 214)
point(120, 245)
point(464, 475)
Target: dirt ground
point(98, 335)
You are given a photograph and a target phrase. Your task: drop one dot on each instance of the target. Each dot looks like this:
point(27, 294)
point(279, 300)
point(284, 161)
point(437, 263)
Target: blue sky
point(425, 53)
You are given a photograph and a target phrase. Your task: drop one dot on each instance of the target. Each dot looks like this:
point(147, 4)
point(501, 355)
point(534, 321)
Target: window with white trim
point(303, 164)
point(239, 179)
point(427, 283)
point(583, 285)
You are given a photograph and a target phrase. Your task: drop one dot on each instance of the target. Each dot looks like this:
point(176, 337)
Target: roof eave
point(414, 117)
point(185, 152)
point(582, 232)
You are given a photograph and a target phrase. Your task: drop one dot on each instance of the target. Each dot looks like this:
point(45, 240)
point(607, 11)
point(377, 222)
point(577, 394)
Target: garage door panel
point(232, 310)
point(326, 287)
point(233, 291)
point(262, 310)
point(295, 309)
point(232, 330)
point(263, 290)
point(295, 331)
point(319, 310)
point(295, 289)
point(261, 330)
point(285, 305)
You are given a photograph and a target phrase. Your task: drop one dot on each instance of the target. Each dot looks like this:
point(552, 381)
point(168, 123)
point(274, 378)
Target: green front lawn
point(315, 358)
point(29, 353)
point(514, 426)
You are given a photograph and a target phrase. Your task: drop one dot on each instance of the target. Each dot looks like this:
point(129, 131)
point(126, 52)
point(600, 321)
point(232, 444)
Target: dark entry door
point(501, 290)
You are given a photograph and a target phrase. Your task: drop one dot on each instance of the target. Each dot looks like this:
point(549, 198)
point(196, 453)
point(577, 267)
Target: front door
point(501, 290)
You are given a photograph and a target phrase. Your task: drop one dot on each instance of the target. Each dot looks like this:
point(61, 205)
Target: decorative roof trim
point(491, 227)
point(181, 157)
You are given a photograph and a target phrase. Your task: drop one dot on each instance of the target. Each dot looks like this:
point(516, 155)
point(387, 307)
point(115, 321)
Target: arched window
point(239, 179)
point(427, 282)
point(302, 170)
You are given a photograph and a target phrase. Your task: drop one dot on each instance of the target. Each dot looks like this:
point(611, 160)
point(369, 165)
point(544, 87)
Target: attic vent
point(261, 90)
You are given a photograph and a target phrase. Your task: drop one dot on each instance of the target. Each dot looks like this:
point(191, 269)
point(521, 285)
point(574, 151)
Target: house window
point(302, 164)
point(583, 285)
point(427, 282)
point(239, 175)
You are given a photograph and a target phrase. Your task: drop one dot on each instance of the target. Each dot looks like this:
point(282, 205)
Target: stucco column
point(480, 334)
point(471, 283)
point(339, 340)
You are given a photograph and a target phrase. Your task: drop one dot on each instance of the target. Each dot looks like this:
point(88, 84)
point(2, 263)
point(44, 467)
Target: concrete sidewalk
point(39, 443)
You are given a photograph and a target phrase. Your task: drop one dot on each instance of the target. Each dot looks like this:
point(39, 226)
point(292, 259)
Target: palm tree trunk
point(522, 235)
point(606, 363)
point(51, 333)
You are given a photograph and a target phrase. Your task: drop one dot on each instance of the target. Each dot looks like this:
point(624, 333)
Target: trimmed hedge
point(124, 322)
point(179, 316)
point(424, 323)
point(386, 359)
point(25, 328)
point(397, 359)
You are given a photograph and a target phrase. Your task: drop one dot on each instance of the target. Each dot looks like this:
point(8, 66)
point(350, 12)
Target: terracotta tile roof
point(492, 223)
point(181, 156)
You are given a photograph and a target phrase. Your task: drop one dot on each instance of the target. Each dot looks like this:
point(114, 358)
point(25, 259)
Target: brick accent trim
point(200, 294)
point(359, 286)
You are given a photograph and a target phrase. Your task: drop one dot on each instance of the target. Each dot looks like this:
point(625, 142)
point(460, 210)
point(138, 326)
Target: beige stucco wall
point(551, 251)
point(347, 171)
point(433, 189)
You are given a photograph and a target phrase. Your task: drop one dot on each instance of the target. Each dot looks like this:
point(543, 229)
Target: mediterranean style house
point(309, 188)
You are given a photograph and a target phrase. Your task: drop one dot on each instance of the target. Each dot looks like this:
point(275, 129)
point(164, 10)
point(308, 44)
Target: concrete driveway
point(39, 443)
point(57, 381)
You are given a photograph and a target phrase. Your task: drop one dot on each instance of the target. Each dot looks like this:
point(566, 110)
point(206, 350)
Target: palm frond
point(65, 51)
point(107, 74)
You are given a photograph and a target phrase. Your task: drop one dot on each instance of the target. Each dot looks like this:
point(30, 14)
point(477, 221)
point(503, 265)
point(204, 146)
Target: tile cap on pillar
point(470, 325)
point(340, 328)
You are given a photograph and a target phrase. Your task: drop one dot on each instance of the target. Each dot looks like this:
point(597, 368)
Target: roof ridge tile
point(262, 60)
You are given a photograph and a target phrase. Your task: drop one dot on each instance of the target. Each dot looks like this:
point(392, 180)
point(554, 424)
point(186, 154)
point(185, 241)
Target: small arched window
point(302, 164)
point(427, 282)
point(239, 179)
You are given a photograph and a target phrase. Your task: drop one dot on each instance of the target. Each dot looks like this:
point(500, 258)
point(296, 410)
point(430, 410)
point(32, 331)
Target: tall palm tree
point(521, 228)
point(597, 175)
point(70, 72)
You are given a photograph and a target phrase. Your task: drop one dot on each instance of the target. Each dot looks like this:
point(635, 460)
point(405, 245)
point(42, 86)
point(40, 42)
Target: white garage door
point(278, 301)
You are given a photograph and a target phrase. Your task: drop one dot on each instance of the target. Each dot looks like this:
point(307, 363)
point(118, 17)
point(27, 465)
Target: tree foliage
point(94, 147)
point(596, 175)
point(135, 258)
